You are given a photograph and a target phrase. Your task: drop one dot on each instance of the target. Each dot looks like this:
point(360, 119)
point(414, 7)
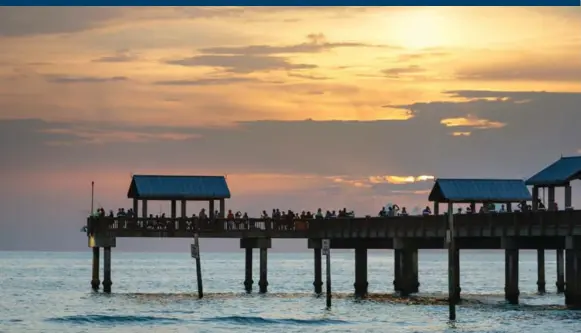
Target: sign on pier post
point(326, 244)
point(195, 250)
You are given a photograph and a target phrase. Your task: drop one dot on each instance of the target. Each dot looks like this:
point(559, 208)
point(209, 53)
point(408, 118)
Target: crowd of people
point(239, 220)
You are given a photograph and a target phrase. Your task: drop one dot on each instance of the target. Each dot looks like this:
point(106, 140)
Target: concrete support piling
point(361, 283)
point(318, 283)
point(107, 269)
point(406, 280)
point(541, 271)
point(573, 272)
point(95, 276)
point(560, 271)
point(248, 271)
point(263, 282)
point(408, 267)
point(397, 279)
point(263, 244)
point(511, 292)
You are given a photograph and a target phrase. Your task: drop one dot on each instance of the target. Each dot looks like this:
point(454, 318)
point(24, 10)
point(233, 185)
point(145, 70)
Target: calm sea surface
point(50, 292)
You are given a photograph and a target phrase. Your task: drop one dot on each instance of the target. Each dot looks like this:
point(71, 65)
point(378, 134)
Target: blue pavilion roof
point(559, 173)
point(479, 190)
point(155, 187)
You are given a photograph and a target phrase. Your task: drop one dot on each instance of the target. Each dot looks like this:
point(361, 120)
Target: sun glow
point(421, 28)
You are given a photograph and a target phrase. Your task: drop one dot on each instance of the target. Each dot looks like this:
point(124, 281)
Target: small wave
point(105, 319)
point(249, 320)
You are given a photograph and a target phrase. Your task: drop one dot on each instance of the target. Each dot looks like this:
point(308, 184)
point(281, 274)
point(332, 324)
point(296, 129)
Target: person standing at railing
point(230, 220)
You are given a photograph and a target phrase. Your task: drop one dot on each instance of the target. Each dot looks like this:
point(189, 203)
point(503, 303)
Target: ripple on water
point(252, 320)
point(114, 319)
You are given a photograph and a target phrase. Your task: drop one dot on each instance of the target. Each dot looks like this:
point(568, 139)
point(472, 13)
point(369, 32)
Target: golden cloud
point(471, 121)
point(399, 179)
point(460, 133)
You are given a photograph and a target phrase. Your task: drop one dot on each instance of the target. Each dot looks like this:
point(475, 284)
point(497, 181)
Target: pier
point(538, 228)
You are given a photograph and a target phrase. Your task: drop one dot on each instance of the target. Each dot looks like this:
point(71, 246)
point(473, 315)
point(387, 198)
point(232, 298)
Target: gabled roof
point(151, 187)
point(559, 173)
point(479, 190)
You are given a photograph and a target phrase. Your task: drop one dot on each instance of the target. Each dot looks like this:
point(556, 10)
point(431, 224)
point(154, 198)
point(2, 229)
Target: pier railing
point(545, 223)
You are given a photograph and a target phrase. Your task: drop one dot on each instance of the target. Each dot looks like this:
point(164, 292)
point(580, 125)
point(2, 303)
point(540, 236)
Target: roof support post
point(568, 196)
point(509, 207)
point(184, 207)
point(173, 209)
point(211, 213)
point(222, 208)
point(135, 207)
point(551, 198)
point(436, 208)
point(535, 198)
point(144, 209)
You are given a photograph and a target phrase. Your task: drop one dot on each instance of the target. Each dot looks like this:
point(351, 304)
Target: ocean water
point(156, 292)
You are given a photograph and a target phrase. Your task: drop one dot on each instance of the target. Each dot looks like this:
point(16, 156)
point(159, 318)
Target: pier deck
point(538, 226)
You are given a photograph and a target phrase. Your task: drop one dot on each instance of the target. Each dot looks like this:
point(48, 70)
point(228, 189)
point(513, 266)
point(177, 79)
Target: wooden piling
point(451, 264)
point(196, 255)
point(327, 253)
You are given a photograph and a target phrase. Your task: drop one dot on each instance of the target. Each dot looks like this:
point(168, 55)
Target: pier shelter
point(484, 191)
point(559, 174)
point(146, 188)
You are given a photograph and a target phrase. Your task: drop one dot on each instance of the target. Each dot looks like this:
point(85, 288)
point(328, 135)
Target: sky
point(300, 107)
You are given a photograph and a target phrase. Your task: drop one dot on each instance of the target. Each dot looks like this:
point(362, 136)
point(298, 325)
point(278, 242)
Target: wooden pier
point(547, 229)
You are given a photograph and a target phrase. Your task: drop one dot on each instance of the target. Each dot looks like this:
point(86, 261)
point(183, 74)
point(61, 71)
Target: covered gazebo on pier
point(558, 174)
point(473, 191)
point(171, 188)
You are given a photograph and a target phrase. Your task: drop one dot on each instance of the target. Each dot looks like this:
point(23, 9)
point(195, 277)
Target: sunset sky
point(300, 107)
